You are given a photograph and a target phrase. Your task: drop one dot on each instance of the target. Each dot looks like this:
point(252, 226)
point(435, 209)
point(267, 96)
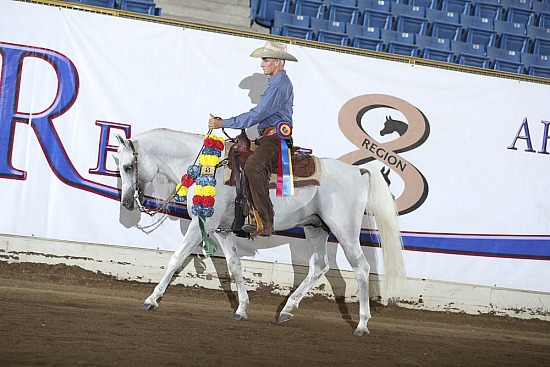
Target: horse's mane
point(169, 143)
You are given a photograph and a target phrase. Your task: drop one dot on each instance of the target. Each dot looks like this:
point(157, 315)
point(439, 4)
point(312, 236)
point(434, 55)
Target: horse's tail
point(381, 205)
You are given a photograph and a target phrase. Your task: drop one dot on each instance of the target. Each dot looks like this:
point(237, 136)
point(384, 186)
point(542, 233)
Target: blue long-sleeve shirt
point(274, 106)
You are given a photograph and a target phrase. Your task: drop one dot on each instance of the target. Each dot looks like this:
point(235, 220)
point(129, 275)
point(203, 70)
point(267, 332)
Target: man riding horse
point(273, 108)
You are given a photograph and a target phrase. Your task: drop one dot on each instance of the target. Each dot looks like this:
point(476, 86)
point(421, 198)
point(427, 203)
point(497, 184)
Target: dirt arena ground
point(66, 316)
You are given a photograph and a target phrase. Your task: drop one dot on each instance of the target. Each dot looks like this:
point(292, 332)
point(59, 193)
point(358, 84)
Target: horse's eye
point(127, 168)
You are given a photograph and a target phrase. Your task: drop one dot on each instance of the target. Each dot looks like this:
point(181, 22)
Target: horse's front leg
point(229, 247)
point(190, 241)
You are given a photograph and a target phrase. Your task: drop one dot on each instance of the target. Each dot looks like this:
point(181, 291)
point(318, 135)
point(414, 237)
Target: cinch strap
point(285, 179)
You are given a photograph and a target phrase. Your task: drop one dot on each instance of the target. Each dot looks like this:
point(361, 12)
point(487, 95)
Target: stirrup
point(254, 224)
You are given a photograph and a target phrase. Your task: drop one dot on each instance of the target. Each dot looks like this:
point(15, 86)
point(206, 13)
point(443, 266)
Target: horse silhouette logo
point(394, 126)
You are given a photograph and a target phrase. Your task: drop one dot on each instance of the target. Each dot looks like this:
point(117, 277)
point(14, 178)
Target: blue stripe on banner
point(508, 246)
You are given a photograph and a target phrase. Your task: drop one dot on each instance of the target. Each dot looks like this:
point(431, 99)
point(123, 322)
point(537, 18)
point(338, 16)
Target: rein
point(138, 192)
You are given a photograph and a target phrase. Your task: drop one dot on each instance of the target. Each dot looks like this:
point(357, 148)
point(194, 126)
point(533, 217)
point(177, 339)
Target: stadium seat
point(368, 38)
point(400, 43)
point(143, 7)
point(398, 9)
point(468, 21)
point(540, 7)
point(409, 24)
point(505, 60)
point(513, 42)
point(442, 16)
point(438, 49)
point(488, 10)
point(282, 19)
point(449, 31)
point(426, 4)
point(266, 11)
point(377, 19)
point(534, 32)
point(502, 26)
point(288, 30)
point(520, 15)
point(312, 8)
point(541, 46)
point(341, 39)
point(536, 65)
point(318, 24)
point(343, 13)
point(480, 36)
point(543, 20)
point(457, 6)
point(470, 54)
point(380, 5)
point(102, 3)
point(342, 2)
point(524, 4)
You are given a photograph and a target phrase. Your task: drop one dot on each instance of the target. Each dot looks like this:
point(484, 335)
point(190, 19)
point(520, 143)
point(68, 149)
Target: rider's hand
point(214, 122)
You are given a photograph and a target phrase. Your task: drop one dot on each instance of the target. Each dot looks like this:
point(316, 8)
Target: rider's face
point(270, 65)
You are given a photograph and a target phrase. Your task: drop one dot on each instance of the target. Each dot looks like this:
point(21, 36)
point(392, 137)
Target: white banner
point(467, 153)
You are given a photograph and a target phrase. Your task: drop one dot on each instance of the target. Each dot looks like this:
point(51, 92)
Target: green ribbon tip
point(208, 244)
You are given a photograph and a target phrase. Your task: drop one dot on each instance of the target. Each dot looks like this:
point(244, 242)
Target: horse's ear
point(121, 141)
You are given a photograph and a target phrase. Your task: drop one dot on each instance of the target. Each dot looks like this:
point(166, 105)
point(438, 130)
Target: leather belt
point(269, 131)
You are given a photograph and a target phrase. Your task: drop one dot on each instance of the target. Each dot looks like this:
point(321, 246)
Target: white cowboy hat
point(275, 50)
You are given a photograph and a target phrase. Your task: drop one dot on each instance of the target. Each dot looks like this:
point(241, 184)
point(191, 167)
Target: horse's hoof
point(239, 317)
point(358, 332)
point(284, 317)
point(148, 307)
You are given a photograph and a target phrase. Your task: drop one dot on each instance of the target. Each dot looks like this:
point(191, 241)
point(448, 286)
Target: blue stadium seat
point(343, 13)
point(318, 24)
point(536, 65)
point(312, 8)
point(470, 54)
point(449, 31)
point(520, 15)
point(534, 31)
point(143, 7)
point(480, 36)
point(102, 3)
point(398, 9)
point(367, 38)
point(341, 39)
point(408, 24)
point(514, 42)
point(342, 2)
point(380, 5)
point(378, 19)
point(543, 20)
point(468, 21)
point(524, 4)
point(426, 4)
point(266, 11)
point(541, 46)
point(502, 26)
point(540, 7)
point(505, 60)
point(400, 43)
point(488, 10)
point(442, 16)
point(438, 49)
point(282, 19)
point(457, 6)
point(288, 30)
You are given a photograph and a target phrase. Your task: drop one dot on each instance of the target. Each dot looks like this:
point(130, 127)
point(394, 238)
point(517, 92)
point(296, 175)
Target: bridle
point(138, 192)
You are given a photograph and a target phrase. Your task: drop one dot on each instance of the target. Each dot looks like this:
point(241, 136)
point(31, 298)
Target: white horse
point(337, 205)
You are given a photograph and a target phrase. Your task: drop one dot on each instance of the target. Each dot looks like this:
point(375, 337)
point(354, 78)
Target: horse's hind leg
point(318, 266)
point(229, 247)
point(190, 241)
